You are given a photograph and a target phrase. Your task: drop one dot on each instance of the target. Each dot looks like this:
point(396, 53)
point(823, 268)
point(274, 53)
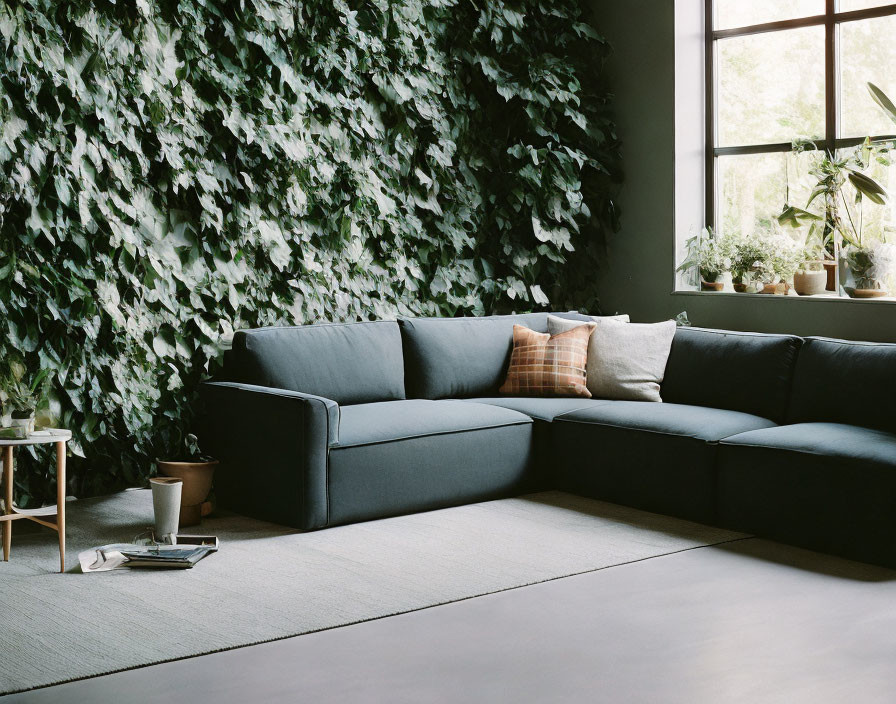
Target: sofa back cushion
point(838, 381)
point(737, 371)
point(462, 357)
point(349, 363)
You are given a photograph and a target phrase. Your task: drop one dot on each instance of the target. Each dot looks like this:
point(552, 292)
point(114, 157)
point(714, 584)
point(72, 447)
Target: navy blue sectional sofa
point(775, 435)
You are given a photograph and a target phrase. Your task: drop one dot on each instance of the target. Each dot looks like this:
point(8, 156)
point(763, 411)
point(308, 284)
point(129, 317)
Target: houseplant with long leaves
point(841, 227)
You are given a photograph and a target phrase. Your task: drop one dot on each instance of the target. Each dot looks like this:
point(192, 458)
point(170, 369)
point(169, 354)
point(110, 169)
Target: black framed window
point(779, 70)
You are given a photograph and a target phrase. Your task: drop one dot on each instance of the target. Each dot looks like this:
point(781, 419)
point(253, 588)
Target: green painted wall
point(638, 277)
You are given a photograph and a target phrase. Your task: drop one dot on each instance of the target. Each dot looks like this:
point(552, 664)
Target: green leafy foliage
point(172, 171)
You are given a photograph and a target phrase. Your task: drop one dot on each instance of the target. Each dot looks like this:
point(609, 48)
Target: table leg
point(60, 501)
point(7, 480)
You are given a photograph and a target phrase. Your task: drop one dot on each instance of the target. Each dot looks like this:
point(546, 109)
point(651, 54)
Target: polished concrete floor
point(749, 622)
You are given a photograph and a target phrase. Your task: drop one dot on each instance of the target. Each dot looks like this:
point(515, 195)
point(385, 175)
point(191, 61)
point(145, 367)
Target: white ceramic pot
point(166, 492)
point(26, 423)
point(810, 283)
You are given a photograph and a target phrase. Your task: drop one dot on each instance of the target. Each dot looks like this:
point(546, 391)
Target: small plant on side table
point(20, 399)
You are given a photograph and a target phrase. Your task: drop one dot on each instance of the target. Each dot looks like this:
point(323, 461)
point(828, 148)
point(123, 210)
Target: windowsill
point(824, 297)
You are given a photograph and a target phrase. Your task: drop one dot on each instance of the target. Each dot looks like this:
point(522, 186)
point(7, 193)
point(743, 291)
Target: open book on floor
point(176, 556)
point(128, 555)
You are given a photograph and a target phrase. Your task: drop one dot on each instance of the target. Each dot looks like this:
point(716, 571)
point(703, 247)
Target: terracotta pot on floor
point(197, 479)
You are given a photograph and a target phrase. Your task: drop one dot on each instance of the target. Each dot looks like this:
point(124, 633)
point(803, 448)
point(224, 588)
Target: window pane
point(753, 190)
point(875, 223)
point(771, 87)
point(742, 13)
point(850, 5)
point(867, 54)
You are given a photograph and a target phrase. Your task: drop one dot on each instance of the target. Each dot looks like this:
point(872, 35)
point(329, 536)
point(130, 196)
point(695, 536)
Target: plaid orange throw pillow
point(541, 365)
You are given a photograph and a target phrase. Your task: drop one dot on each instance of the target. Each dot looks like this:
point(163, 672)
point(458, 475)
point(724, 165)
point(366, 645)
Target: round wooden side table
point(40, 515)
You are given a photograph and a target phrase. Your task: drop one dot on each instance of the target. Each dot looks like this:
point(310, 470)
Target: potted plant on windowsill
point(865, 270)
point(764, 262)
point(841, 227)
point(817, 270)
point(782, 262)
point(196, 470)
point(864, 266)
point(811, 278)
point(748, 272)
point(710, 255)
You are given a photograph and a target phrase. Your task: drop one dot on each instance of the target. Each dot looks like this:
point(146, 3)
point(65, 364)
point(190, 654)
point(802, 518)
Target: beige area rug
point(267, 582)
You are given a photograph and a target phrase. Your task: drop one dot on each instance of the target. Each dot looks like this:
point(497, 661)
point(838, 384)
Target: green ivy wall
point(171, 171)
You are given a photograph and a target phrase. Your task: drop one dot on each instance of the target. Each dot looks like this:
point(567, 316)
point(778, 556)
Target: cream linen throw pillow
point(626, 361)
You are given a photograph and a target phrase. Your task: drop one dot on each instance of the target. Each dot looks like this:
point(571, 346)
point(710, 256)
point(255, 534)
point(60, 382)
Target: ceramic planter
point(711, 285)
point(868, 293)
point(26, 423)
point(752, 287)
point(197, 478)
point(782, 288)
point(855, 265)
point(810, 283)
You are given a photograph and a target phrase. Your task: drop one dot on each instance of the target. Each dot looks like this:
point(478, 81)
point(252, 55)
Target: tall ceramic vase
point(166, 495)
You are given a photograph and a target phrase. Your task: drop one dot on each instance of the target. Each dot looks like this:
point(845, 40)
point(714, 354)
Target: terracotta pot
point(781, 289)
point(810, 283)
point(711, 285)
point(830, 268)
point(868, 292)
point(197, 479)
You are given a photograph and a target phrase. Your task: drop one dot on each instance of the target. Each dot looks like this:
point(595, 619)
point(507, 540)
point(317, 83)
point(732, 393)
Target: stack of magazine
point(187, 552)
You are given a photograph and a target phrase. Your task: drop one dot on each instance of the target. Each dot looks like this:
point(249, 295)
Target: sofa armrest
point(273, 446)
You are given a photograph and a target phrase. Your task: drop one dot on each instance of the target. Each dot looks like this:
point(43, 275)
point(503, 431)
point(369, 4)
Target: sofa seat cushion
point(824, 486)
point(697, 422)
point(653, 456)
point(544, 409)
point(834, 440)
point(407, 456)
point(389, 421)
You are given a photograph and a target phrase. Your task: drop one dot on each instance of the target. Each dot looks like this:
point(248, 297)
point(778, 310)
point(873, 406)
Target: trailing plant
point(762, 258)
point(750, 251)
point(709, 253)
point(173, 170)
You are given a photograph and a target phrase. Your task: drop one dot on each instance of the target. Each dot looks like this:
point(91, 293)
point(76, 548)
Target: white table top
point(40, 437)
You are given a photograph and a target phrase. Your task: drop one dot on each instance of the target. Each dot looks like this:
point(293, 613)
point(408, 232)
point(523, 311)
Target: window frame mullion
point(831, 82)
point(710, 100)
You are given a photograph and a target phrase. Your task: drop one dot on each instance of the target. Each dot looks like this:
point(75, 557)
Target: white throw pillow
point(625, 361)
